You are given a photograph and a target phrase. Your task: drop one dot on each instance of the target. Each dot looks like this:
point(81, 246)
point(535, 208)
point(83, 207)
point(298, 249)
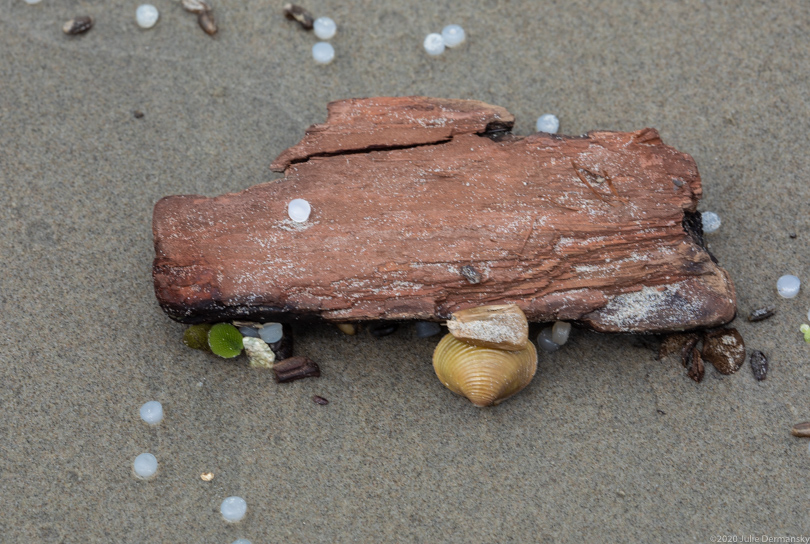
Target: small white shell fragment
point(241, 541)
point(808, 314)
point(548, 123)
point(560, 332)
point(259, 353)
point(434, 44)
point(545, 342)
point(233, 509)
point(33, 1)
point(711, 222)
point(299, 209)
point(324, 28)
point(323, 52)
point(249, 331)
point(152, 412)
point(788, 286)
point(453, 35)
point(271, 332)
point(145, 466)
point(146, 15)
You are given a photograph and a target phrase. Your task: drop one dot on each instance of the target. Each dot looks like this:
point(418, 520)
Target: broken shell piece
point(300, 15)
point(485, 376)
point(259, 353)
point(500, 326)
point(725, 349)
point(195, 6)
point(206, 21)
point(77, 25)
point(347, 328)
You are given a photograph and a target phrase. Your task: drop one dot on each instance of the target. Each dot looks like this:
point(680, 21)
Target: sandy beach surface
point(607, 444)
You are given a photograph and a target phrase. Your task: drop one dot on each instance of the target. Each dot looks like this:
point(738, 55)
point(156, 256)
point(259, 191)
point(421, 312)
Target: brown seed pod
point(207, 23)
point(801, 429)
point(297, 13)
point(695, 365)
point(725, 349)
point(296, 368)
point(486, 376)
point(78, 25)
point(317, 399)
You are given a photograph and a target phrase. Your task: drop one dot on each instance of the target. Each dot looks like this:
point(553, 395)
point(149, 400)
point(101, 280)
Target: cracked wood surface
point(600, 228)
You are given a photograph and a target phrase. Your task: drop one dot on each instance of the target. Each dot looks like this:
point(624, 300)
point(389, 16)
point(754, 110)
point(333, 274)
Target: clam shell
point(486, 376)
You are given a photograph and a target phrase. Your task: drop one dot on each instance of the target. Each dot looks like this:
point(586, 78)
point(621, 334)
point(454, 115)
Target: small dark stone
point(472, 275)
point(284, 347)
point(296, 368)
point(761, 313)
point(138, 114)
point(78, 25)
point(792, 235)
point(299, 14)
point(317, 399)
point(695, 365)
point(725, 349)
point(426, 329)
point(663, 413)
point(759, 365)
point(383, 329)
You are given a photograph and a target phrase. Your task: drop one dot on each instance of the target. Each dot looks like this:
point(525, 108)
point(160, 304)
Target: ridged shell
point(486, 376)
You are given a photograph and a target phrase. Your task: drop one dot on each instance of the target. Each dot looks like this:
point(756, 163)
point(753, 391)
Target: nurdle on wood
point(410, 194)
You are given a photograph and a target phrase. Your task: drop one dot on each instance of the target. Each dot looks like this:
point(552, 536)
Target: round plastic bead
point(298, 208)
point(548, 123)
point(152, 412)
point(323, 53)
point(434, 44)
point(145, 465)
point(545, 342)
point(146, 15)
point(560, 332)
point(233, 509)
point(453, 35)
point(324, 28)
point(271, 333)
point(788, 286)
point(711, 222)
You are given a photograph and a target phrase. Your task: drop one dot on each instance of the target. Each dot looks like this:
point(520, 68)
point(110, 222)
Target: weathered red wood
point(406, 191)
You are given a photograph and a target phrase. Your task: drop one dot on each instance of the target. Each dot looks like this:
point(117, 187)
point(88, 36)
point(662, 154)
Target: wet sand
point(606, 444)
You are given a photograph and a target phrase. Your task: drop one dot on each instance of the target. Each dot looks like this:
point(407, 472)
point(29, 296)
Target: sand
point(605, 445)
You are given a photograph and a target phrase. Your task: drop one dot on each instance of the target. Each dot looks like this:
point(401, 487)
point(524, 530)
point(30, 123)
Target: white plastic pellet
point(233, 509)
point(434, 44)
point(145, 466)
point(560, 332)
point(324, 28)
point(152, 412)
point(545, 342)
point(548, 123)
point(241, 541)
point(453, 35)
point(711, 222)
point(271, 333)
point(298, 208)
point(146, 15)
point(808, 314)
point(32, 1)
point(323, 53)
point(788, 286)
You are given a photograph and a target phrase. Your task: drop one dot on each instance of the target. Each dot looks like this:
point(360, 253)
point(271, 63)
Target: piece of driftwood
point(424, 206)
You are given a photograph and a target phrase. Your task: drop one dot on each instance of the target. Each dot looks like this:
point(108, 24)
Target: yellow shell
point(486, 376)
